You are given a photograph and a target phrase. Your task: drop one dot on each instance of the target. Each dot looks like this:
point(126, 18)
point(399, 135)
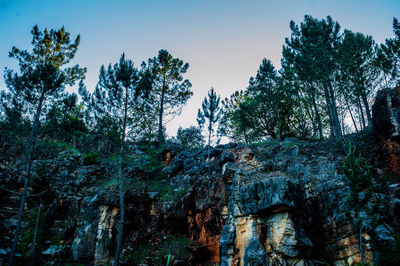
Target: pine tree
point(170, 91)
point(42, 78)
point(357, 64)
point(389, 56)
point(264, 109)
point(211, 113)
point(314, 45)
point(119, 94)
point(231, 124)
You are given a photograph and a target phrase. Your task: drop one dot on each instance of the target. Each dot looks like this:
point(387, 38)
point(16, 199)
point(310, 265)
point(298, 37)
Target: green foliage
point(41, 77)
point(118, 102)
point(150, 162)
point(190, 137)
point(310, 58)
point(388, 58)
point(263, 110)
point(358, 71)
point(169, 91)
point(90, 158)
point(231, 124)
point(64, 121)
point(357, 171)
point(51, 149)
point(209, 113)
point(14, 127)
point(172, 195)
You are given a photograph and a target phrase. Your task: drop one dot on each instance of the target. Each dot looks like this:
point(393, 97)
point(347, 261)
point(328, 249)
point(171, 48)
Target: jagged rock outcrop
point(386, 121)
point(282, 198)
point(277, 203)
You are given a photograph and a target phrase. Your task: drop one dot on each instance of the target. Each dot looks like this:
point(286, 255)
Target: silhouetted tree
point(232, 124)
point(190, 137)
point(170, 91)
point(264, 109)
point(313, 46)
point(209, 114)
point(119, 94)
point(64, 121)
point(389, 56)
point(357, 53)
point(41, 78)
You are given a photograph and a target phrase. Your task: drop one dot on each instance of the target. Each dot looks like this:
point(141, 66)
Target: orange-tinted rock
point(207, 236)
point(386, 121)
point(392, 152)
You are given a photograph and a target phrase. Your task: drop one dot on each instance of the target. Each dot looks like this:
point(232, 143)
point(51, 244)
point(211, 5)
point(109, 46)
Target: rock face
point(279, 203)
point(386, 121)
point(95, 229)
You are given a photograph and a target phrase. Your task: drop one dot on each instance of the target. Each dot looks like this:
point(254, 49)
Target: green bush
point(91, 158)
point(357, 171)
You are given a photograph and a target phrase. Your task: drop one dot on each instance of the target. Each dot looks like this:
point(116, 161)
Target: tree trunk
point(336, 121)
point(28, 156)
point(351, 115)
point(386, 82)
point(317, 116)
point(209, 147)
point(35, 233)
point(120, 185)
point(332, 111)
point(303, 130)
point(330, 115)
point(278, 126)
point(361, 113)
point(160, 115)
point(367, 110)
point(304, 113)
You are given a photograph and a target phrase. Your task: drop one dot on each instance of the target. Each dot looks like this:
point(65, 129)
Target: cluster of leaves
point(150, 162)
point(262, 111)
point(190, 137)
point(90, 158)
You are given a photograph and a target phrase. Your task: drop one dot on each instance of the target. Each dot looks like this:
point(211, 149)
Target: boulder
point(386, 122)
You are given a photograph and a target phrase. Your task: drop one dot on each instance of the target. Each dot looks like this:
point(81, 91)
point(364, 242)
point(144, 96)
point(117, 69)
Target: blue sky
point(223, 41)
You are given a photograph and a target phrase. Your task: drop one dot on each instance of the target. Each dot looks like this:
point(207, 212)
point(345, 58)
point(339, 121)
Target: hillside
point(287, 202)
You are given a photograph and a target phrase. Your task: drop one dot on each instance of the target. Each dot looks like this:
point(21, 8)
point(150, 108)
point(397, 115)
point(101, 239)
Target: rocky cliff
point(275, 203)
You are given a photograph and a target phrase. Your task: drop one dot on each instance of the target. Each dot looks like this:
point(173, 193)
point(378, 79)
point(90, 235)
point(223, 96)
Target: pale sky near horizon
point(223, 41)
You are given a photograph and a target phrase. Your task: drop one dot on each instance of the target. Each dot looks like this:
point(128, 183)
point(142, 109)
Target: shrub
point(91, 158)
point(357, 171)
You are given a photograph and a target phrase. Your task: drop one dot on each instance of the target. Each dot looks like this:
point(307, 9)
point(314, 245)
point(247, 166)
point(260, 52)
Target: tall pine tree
point(42, 77)
point(119, 94)
point(314, 45)
point(209, 114)
point(170, 92)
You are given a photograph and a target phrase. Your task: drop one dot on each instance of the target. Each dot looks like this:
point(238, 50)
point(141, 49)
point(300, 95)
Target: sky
point(224, 41)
